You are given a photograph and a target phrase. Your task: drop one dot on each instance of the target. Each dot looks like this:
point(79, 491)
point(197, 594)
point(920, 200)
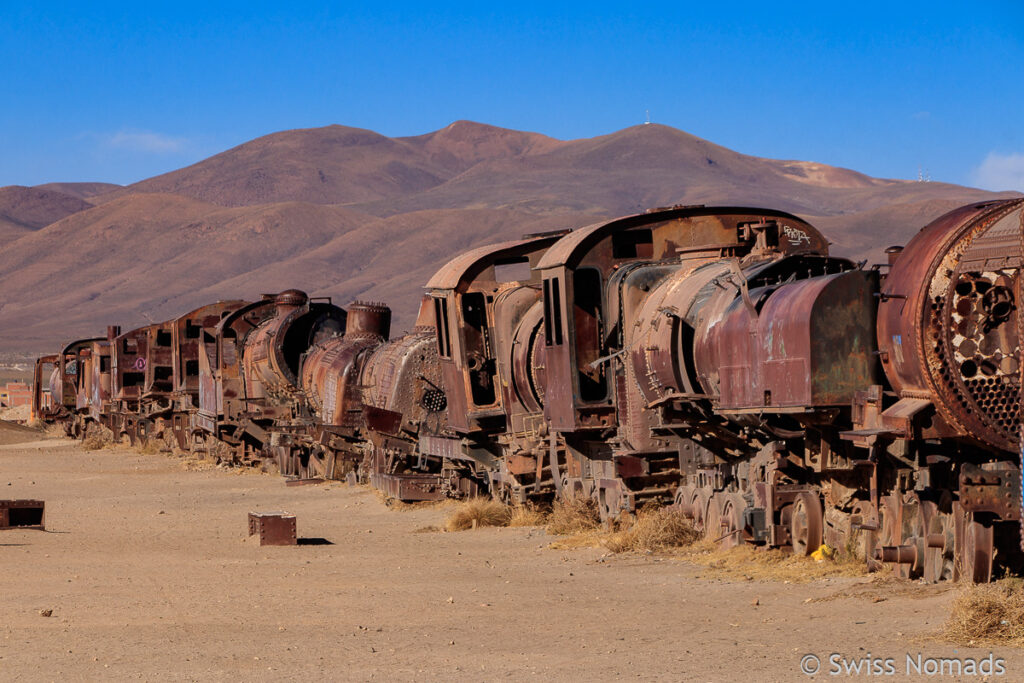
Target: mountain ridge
point(348, 212)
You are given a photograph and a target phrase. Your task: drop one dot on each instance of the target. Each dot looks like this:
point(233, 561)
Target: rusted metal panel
point(129, 354)
point(43, 404)
point(992, 487)
point(187, 331)
point(274, 349)
point(817, 340)
point(384, 421)
point(683, 230)
point(528, 360)
point(466, 292)
point(331, 369)
point(221, 393)
point(440, 446)
point(402, 377)
point(273, 528)
point(473, 263)
point(22, 514)
point(409, 487)
point(661, 336)
point(793, 346)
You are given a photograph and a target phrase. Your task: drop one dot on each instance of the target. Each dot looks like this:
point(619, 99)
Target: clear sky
point(121, 91)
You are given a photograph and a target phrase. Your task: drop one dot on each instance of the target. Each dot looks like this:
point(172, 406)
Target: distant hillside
point(80, 190)
point(25, 209)
point(350, 213)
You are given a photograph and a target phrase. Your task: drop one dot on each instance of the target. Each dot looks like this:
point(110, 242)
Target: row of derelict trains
point(714, 359)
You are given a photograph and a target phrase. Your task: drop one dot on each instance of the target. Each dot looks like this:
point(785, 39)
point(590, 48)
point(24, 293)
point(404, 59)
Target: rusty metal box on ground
point(274, 528)
point(22, 514)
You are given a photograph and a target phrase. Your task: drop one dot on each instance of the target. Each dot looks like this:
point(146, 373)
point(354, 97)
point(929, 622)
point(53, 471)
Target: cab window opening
point(633, 244)
point(587, 329)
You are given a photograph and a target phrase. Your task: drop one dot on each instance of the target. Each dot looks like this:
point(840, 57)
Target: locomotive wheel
point(713, 524)
point(884, 535)
point(684, 494)
point(732, 520)
point(974, 548)
point(858, 545)
point(699, 508)
point(806, 524)
point(914, 517)
point(940, 543)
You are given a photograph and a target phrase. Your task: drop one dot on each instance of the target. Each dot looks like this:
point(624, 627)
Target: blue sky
point(119, 92)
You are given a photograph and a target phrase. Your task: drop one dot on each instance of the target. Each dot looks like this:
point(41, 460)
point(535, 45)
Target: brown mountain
point(24, 209)
point(338, 165)
point(350, 213)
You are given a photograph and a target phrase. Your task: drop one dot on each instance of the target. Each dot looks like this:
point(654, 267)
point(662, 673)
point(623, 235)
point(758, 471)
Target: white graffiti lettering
point(795, 235)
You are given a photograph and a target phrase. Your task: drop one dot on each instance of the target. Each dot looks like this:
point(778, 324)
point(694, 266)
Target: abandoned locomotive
point(715, 359)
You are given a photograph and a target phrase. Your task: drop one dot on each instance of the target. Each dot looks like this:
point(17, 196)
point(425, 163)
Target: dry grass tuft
point(477, 512)
point(194, 464)
point(576, 515)
point(55, 430)
point(988, 614)
point(750, 562)
point(527, 514)
point(97, 438)
point(151, 447)
point(595, 538)
point(655, 529)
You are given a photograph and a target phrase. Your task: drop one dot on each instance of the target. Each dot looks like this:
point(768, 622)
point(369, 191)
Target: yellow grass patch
point(477, 512)
point(654, 529)
point(988, 614)
point(751, 562)
point(573, 516)
point(527, 514)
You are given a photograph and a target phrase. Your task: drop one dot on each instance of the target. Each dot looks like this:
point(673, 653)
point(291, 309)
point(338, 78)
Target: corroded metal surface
point(22, 514)
point(947, 320)
point(273, 528)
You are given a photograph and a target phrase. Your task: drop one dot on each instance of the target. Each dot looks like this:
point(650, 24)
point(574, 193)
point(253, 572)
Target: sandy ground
point(149, 574)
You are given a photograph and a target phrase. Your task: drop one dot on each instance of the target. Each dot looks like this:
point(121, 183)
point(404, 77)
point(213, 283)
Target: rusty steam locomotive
point(715, 359)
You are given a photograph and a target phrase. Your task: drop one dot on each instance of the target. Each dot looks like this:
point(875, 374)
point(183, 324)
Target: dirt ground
point(149, 574)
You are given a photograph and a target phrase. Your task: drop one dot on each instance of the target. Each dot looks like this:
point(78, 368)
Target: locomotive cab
point(592, 277)
point(468, 293)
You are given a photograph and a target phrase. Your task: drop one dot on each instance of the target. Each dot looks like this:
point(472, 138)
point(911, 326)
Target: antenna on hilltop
point(648, 121)
point(923, 176)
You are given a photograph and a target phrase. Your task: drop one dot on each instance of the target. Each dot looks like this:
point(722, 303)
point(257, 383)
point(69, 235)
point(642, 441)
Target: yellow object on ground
point(824, 552)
